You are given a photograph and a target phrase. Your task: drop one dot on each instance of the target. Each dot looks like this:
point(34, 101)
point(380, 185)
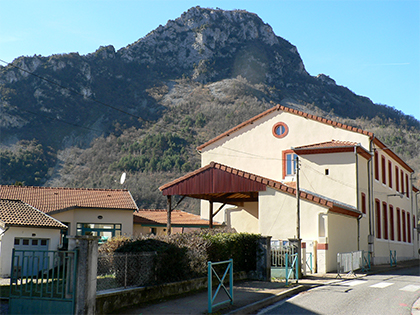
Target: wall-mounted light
point(399, 195)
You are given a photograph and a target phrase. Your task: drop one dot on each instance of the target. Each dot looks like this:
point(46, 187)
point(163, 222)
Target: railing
point(293, 267)
point(350, 262)
point(211, 271)
point(310, 262)
point(366, 261)
point(278, 255)
point(284, 262)
point(39, 276)
point(393, 258)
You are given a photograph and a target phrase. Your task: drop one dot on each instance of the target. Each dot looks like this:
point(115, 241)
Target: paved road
point(393, 293)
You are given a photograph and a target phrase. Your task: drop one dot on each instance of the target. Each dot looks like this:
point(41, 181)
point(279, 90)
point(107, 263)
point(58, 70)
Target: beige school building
point(355, 193)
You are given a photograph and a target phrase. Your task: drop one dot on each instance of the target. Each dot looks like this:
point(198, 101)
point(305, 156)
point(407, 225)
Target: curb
point(248, 309)
point(415, 309)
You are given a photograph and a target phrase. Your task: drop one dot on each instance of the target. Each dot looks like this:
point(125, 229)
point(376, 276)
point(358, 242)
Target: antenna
point(122, 179)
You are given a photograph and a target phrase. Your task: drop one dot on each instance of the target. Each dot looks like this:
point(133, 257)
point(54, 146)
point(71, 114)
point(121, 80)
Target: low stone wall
point(112, 300)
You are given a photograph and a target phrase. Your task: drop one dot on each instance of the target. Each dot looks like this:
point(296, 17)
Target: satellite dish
point(122, 179)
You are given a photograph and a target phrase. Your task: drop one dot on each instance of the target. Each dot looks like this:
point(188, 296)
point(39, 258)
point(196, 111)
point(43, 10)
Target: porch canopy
point(215, 183)
point(220, 183)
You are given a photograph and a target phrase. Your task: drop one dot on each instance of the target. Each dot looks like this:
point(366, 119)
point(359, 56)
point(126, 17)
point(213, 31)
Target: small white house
point(26, 228)
point(98, 212)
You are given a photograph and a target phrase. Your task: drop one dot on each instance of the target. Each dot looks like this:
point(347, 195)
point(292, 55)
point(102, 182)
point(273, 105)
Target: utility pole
point(297, 199)
point(297, 242)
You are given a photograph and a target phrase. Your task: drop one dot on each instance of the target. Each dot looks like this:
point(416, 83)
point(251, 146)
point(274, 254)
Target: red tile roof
point(18, 213)
point(334, 206)
point(329, 144)
point(371, 135)
point(289, 110)
point(52, 199)
point(333, 146)
point(153, 217)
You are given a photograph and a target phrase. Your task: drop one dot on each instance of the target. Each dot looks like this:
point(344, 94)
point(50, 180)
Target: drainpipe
point(370, 198)
point(417, 218)
point(357, 195)
point(414, 209)
point(1, 234)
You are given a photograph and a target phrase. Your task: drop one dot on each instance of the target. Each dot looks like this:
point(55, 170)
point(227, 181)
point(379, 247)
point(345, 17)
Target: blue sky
point(371, 47)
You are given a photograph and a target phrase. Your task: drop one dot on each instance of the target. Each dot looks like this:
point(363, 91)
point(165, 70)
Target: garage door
point(32, 255)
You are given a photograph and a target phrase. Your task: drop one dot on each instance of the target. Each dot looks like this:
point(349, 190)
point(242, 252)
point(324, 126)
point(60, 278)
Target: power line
point(72, 90)
point(60, 120)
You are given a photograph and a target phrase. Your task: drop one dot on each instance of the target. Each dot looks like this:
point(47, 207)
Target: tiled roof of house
point(332, 146)
point(153, 217)
point(328, 144)
point(18, 213)
point(289, 110)
point(52, 199)
point(328, 203)
point(278, 107)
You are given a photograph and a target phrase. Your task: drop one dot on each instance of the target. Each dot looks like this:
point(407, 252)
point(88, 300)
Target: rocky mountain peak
point(201, 38)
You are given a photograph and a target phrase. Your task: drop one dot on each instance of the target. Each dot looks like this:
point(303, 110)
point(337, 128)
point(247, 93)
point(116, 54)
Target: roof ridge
point(64, 188)
point(289, 110)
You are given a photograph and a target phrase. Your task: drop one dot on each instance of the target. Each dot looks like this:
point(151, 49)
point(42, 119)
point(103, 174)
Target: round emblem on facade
point(280, 130)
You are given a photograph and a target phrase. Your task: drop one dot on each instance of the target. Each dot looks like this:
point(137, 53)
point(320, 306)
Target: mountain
point(72, 120)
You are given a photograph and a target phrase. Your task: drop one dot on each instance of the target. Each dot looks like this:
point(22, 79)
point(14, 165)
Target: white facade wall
point(123, 217)
point(342, 238)
point(254, 148)
point(7, 243)
point(339, 184)
point(391, 197)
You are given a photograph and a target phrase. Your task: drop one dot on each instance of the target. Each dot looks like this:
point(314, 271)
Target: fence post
point(86, 268)
point(125, 271)
point(263, 271)
point(209, 287)
point(287, 271)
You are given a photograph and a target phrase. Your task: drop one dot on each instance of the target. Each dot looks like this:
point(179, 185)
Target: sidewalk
point(250, 296)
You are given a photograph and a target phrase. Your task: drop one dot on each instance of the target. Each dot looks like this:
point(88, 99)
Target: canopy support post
point(169, 210)
point(211, 214)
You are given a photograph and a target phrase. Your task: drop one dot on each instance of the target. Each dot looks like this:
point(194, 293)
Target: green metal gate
point(43, 282)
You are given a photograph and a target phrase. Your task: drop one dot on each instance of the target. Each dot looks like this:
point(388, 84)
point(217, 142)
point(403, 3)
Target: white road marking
point(411, 288)
point(381, 285)
point(352, 283)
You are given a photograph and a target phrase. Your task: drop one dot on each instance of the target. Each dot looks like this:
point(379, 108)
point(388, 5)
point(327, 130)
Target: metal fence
point(122, 270)
point(278, 255)
point(350, 262)
point(283, 261)
point(220, 283)
point(42, 281)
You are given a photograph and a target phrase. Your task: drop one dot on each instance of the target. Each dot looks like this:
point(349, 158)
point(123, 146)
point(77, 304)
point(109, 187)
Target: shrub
point(185, 256)
point(241, 247)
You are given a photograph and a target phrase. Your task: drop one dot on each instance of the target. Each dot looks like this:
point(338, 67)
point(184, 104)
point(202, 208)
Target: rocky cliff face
point(210, 45)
